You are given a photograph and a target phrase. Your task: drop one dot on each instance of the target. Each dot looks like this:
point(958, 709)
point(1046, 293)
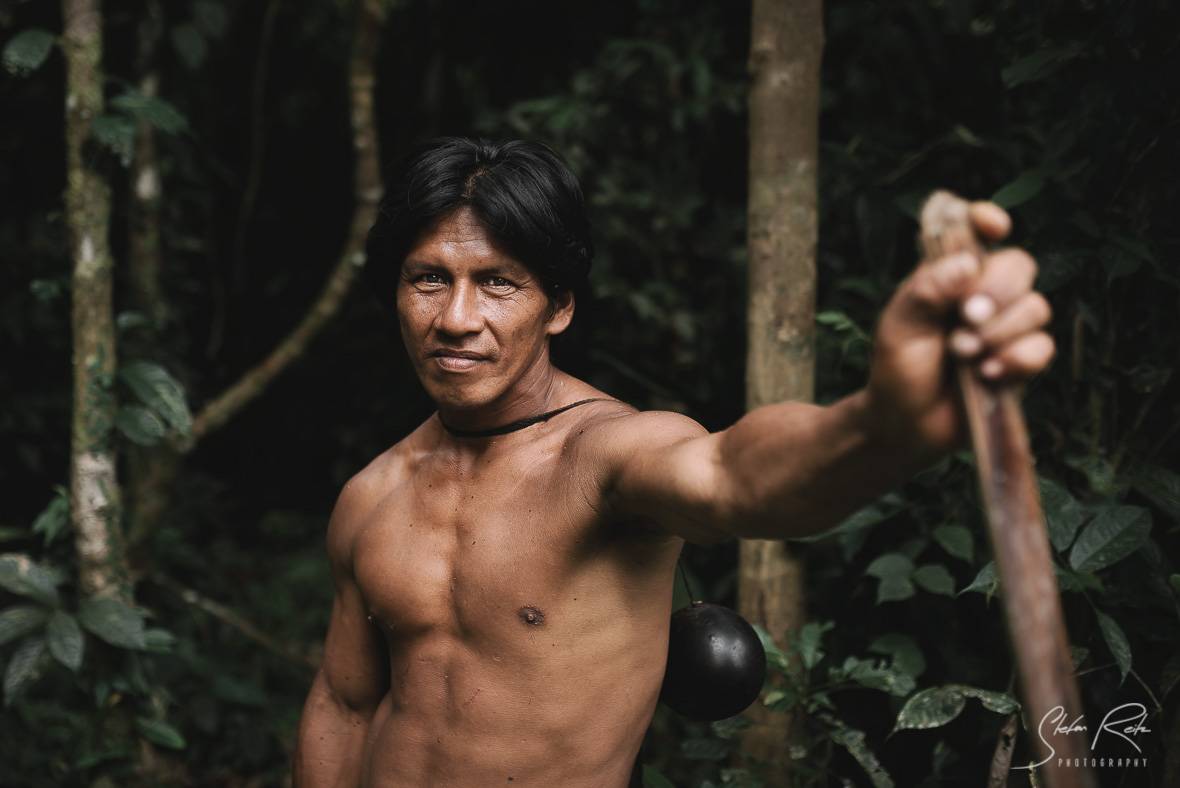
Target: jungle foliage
point(1063, 112)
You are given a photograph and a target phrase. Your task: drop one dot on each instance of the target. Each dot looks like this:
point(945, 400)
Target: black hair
point(523, 193)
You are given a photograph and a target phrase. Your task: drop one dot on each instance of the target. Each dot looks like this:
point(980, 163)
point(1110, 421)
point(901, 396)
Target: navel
point(531, 615)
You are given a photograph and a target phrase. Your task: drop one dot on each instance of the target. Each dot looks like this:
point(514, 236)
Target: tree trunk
point(785, 49)
point(94, 489)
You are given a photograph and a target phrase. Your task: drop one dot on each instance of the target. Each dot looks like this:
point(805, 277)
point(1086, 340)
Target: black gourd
point(716, 663)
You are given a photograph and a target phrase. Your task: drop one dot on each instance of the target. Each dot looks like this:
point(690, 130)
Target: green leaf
point(25, 667)
point(1116, 641)
point(879, 677)
point(853, 741)
point(893, 570)
point(890, 565)
point(956, 540)
point(1027, 185)
point(1069, 580)
point(160, 392)
point(774, 697)
point(985, 582)
point(653, 778)
point(20, 620)
point(1170, 675)
point(27, 50)
point(113, 621)
point(116, 133)
point(935, 578)
point(140, 425)
point(1062, 511)
point(936, 706)
point(22, 575)
point(130, 319)
point(729, 727)
point(160, 732)
point(158, 640)
point(903, 650)
point(774, 656)
point(55, 517)
point(1174, 580)
point(1115, 533)
point(1161, 486)
point(88, 760)
point(65, 640)
point(894, 589)
point(152, 110)
point(1100, 474)
point(999, 702)
point(930, 708)
point(809, 640)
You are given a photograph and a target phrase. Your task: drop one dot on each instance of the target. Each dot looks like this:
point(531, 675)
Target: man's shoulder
point(363, 492)
point(614, 435)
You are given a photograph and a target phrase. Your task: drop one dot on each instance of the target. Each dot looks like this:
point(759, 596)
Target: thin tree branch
point(1001, 766)
point(367, 193)
point(239, 622)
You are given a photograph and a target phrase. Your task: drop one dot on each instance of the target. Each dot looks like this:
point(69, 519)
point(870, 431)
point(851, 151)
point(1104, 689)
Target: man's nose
point(461, 314)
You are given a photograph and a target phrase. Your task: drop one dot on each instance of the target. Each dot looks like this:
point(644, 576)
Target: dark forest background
point(1067, 113)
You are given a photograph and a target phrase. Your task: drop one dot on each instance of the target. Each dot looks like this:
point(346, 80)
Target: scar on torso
point(531, 615)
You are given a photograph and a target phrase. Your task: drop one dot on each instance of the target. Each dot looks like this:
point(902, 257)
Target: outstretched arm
point(792, 469)
point(352, 679)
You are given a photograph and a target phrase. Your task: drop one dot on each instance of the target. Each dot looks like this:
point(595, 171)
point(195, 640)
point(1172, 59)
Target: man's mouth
point(457, 360)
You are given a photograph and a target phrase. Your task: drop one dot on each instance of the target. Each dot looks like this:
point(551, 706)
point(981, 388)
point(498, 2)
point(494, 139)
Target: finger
point(934, 289)
point(1020, 359)
point(1006, 276)
point(990, 220)
point(1030, 313)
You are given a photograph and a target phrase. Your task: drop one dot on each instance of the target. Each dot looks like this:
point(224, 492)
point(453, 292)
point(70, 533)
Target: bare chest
point(483, 555)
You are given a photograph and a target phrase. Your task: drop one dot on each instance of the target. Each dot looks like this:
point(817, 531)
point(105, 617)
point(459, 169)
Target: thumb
point(935, 288)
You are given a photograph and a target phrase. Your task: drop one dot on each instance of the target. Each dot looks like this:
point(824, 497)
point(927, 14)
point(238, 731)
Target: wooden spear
point(1019, 537)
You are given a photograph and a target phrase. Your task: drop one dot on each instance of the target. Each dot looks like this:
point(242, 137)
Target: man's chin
point(465, 397)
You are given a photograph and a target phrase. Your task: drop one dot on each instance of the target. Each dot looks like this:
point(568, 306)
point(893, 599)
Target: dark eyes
point(431, 278)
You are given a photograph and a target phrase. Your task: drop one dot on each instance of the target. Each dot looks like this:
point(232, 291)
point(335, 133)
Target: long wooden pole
point(1019, 538)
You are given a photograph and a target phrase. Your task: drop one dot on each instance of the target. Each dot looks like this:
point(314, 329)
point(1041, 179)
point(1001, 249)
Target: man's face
point(459, 294)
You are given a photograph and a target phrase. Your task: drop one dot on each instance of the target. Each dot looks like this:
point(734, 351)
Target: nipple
point(531, 616)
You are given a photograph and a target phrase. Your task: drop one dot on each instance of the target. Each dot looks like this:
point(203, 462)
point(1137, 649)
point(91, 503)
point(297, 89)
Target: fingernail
point(991, 368)
point(979, 308)
point(965, 343)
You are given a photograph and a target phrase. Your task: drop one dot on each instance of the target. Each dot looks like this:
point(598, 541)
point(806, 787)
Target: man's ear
point(561, 312)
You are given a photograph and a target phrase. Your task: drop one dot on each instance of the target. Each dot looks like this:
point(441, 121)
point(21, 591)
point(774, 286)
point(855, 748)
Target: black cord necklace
point(518, 424)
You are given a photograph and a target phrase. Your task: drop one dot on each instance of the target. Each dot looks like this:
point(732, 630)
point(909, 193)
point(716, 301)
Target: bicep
point(354, 665)
point(665, 469)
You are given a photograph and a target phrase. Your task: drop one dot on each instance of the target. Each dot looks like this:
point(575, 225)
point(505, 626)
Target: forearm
point(330, 749)
point(795, 469)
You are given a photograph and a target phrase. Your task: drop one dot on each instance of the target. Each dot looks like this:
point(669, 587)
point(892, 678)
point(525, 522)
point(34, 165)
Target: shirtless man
point(503, 595)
